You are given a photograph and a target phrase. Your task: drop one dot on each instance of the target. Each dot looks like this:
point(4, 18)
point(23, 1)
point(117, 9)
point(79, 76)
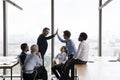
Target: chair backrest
point(19, 60)
point(21, 66)
point(22, 70)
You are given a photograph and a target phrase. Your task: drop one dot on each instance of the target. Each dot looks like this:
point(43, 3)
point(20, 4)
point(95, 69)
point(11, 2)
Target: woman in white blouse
point(59, 60)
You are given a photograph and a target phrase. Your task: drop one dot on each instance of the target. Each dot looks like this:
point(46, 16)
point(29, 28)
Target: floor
point(17, 77)
point(101, 68)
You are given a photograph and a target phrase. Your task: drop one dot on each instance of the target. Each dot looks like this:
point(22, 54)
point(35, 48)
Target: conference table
point(8, 62)
point(99, 68)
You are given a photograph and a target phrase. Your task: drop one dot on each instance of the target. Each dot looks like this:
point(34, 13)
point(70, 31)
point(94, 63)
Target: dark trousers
point(66, 68)
point(42, 55)
point(43, 60)
point(70, 65)
point(39, 73)
point(57, 70)
point(28, 76)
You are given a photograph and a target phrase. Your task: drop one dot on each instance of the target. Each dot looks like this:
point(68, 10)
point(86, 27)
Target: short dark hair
point(83, 35)
point(67, 33)
point(45, 29)
point(64, 47)
point(23, 46)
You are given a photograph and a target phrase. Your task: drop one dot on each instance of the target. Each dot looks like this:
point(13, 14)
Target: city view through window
point(73, 15)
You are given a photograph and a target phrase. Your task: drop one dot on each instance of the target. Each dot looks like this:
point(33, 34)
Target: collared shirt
point(71, 49)
point(82, 52)
point(62, 57)
point(32, 61)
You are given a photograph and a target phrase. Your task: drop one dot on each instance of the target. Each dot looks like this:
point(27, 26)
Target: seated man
point(33, 65)
point(59, 60)
point(80, 58)
point(25, 49)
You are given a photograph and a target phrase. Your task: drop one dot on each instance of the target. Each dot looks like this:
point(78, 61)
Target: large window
point(77, 16)
point(1, 30)
point(74, 15)
point(26, 25)
point(111, 33)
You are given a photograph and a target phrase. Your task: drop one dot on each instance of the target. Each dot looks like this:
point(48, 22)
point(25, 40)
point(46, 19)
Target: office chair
point(24, 73)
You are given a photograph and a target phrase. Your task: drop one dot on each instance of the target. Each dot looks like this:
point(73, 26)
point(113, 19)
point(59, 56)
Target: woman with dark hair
point(59, 61)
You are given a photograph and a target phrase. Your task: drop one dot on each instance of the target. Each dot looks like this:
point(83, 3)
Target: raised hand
point(56, 32)
point(39, 54)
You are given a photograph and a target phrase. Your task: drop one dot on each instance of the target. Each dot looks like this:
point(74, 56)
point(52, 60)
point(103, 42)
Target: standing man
point(42, 41)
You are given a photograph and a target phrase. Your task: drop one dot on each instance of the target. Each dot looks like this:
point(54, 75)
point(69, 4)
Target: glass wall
point(1, 29)
point(111, 33)
point(26, 25)
point(77, 16)
point(74, 15)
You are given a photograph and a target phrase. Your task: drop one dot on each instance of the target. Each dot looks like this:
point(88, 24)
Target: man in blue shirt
point(70, 46)
point(81, 57)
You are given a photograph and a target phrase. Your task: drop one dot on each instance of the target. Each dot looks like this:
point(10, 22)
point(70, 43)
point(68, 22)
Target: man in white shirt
point(33, 63)
point(83, 49)
point(80, 58)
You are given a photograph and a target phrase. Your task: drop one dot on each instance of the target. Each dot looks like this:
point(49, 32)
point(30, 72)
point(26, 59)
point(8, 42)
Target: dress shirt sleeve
point(66, 58)
point(78, 51)
point(49, 37)
point(39, 61)
point(64, 41)
point(55, 57)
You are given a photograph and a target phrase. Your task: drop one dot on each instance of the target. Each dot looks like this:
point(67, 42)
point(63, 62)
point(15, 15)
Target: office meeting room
point(59, 40)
